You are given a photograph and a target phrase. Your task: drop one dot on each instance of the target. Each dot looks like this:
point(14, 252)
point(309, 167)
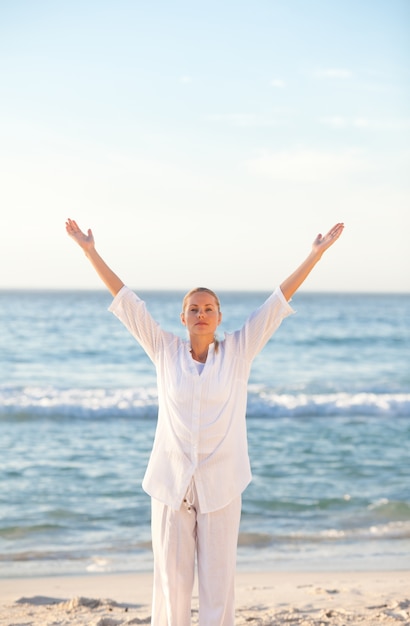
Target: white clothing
point(176, 536)
point(201, 429)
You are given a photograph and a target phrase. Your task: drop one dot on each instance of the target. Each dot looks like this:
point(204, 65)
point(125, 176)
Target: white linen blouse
point(201, 428)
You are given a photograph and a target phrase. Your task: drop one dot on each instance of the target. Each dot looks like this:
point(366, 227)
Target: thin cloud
point(307, 166)
point(250, 120)
point(278, 83)
point(334, 121)
point(386, 124)
point(333, 73)
point(366, 123)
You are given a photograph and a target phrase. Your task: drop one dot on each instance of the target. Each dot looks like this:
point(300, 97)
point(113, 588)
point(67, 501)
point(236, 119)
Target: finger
point(333, 234)
point(70, 224)
point(337, 230)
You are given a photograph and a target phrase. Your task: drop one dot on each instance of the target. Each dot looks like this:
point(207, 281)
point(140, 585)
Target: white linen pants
point(177, 536)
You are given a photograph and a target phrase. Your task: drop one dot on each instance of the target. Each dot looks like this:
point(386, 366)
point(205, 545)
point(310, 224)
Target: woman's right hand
point(85, 241)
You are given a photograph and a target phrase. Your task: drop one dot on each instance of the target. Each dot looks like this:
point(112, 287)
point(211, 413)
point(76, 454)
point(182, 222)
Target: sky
point(205, 143)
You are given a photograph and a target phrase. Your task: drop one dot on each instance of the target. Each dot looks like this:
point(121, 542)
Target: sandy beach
point(262, 599)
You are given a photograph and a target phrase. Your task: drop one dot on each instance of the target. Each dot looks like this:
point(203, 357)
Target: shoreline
point(264, 598)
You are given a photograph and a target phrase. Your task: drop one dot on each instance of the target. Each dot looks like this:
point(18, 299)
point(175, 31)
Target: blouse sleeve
point(262, 323)
point(133, 313)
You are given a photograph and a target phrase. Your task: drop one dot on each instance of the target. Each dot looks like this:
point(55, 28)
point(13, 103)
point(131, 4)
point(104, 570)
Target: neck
point(199, 349)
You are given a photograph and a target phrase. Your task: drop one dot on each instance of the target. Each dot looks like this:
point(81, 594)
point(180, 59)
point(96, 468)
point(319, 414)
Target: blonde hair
point(202, 290)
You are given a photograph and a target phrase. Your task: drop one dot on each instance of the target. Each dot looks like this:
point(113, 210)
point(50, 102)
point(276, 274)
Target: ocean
point(328, 425)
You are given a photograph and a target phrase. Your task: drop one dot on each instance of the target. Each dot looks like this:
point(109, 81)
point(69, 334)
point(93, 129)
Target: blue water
point(328, 424)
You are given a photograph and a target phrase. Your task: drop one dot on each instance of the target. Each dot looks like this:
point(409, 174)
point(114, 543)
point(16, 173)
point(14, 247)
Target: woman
point(199, 464)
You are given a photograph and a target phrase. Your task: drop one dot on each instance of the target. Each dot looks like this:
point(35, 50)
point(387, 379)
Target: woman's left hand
point(323, 242)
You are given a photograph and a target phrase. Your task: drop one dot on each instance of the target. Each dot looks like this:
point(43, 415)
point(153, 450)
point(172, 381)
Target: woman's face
point(201, 314)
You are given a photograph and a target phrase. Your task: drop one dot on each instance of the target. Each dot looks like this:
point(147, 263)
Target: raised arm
point(319, 246)
point(86, 242)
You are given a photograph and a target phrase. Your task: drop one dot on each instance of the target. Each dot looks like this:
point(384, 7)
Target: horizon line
point(220, 289)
